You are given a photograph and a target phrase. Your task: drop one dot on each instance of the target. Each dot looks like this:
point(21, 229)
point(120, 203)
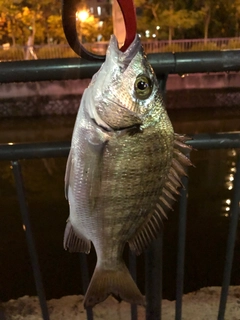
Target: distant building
point(100, 8)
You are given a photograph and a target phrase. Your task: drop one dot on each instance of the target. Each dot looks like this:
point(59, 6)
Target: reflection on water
point(210, 194)
point(229, 181)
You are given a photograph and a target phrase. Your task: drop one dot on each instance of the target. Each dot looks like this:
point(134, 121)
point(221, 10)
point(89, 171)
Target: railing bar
point(215, 140)
point(85, 281)
point(30, 240)
point(181, 248)
point(153, 282)
point(231, 242)
point(77, 68)
point(61, 149)
point(35, 150)
point(133, 271)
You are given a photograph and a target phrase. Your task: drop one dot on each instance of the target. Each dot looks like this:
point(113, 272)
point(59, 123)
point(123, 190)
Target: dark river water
point(207, 223)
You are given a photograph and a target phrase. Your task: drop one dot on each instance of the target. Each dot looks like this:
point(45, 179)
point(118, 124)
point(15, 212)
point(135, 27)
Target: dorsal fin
point(152, 226)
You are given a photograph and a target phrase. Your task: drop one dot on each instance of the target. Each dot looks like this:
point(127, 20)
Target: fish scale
point(124, 165)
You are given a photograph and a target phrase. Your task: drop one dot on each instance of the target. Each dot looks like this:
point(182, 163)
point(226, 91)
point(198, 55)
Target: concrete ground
point(199, 305)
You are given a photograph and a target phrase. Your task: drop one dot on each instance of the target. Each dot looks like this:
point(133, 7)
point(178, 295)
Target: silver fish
point(124, 165)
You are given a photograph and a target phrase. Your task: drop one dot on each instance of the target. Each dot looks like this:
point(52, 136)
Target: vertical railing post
point(153, 266)
point(29, 236)
point(234, 212)
point(85, 280)
point(181, 248)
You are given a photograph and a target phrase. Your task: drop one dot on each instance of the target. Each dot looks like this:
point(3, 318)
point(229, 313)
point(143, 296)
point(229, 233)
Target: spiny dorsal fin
point(153, 224)
point(74, 243)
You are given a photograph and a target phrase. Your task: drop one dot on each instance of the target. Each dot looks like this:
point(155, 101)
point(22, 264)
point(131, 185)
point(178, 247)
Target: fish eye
point(143, 87)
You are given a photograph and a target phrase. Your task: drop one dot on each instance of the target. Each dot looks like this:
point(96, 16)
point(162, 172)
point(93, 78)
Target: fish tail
point(117, 282)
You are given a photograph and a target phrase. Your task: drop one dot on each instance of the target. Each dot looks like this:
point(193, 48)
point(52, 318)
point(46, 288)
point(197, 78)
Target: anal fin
point(73, 242)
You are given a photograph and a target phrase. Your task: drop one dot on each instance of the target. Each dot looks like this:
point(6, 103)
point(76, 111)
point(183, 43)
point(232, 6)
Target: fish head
point(125, 91)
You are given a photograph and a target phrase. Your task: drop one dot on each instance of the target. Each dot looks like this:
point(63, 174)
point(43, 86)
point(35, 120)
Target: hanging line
point(69, 9)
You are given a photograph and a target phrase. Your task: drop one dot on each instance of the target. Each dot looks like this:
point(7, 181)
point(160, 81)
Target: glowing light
point(230, 187)
point(227, 209)
point(99, 10)
point(10, 143)
point(82, 15)
point(158, 27)
point(228, 201)
point(147, 32)
point(24, 227)
point(154, 36)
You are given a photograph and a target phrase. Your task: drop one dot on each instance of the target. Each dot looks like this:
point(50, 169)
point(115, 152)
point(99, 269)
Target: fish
point(123, 170)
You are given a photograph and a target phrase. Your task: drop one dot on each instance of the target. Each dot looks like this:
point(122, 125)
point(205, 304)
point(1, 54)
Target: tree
point(236, 10)
point(38, 19)
point(171, 15)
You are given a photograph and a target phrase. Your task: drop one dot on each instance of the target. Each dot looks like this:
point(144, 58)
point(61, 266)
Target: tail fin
point(118, 282)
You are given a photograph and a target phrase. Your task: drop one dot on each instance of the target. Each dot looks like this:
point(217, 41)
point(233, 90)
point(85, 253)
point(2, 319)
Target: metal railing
point(153, 255)
point(163, 64)
point(53, 51)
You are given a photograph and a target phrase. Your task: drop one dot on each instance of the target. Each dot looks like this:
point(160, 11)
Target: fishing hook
point(69, 9)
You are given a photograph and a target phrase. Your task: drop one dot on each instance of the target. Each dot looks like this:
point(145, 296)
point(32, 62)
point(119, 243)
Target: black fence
point(153, 261)
point(164, 64)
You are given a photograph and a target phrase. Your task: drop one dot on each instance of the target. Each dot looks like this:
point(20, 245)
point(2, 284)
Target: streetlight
point(81, 16)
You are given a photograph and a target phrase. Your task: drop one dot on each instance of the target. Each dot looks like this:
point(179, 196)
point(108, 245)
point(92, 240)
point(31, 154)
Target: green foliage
point(191, 18)
point(178, 19)
point(55, 29)
point(107, 29)
point(22, 18)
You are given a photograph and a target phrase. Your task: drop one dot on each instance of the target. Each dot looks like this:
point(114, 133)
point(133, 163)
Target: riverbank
point(63, 97)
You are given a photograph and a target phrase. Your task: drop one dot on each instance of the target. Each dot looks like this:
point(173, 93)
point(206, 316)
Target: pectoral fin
point(73, 242)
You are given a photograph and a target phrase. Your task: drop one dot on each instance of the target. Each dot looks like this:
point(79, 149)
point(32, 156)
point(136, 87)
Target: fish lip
point(123, 58)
